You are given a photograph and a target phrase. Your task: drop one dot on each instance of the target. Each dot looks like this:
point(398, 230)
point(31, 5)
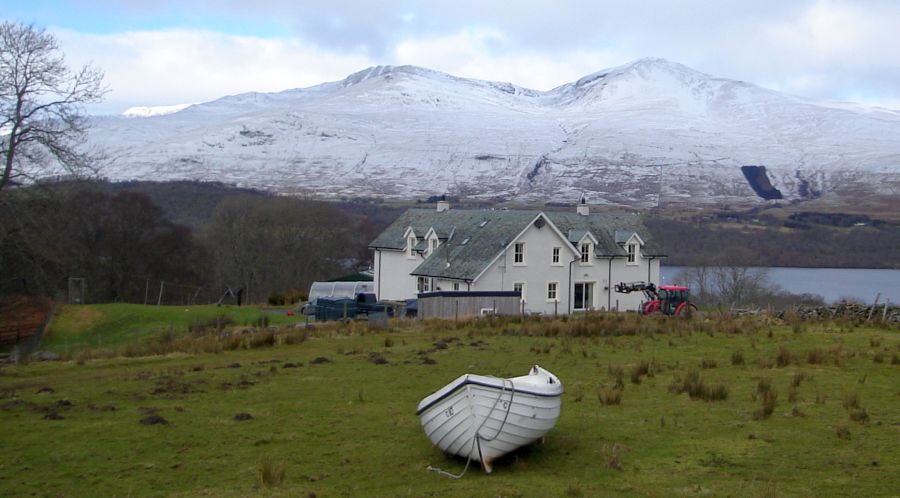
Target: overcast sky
point(158, 52)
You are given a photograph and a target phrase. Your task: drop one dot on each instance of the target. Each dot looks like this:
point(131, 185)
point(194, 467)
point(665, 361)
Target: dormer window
point(586, 252)
point(432, 245)
point(410, 244)
point(632, 253)
point(585, 247)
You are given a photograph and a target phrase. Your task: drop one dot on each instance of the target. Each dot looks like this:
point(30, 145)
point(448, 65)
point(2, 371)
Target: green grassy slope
point(347, 427)
point(109, 325)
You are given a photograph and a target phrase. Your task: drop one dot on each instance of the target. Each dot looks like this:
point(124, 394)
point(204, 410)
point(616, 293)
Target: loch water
point(833, 284)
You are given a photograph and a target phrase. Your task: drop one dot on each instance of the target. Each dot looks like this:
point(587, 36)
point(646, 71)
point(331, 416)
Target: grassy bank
point(111, 325)
point(653, 407)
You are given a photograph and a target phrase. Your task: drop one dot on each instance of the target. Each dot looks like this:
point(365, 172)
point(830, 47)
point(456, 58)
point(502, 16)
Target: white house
point(561, 262)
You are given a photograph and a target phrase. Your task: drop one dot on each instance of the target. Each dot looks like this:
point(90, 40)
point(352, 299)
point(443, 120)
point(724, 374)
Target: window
point(586, 252)
point(551, 291)
point(632, 253)
point(410, 243)
point(422, 284)
point(520, 288)
point(456, 286)
point(432, 245)
point(519, 253)
point(556, 255)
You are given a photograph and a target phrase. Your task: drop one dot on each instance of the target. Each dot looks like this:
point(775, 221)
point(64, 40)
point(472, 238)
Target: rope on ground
point(476, 440)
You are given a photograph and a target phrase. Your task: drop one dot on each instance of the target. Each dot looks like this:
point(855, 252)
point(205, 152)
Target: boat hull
point(482, 418)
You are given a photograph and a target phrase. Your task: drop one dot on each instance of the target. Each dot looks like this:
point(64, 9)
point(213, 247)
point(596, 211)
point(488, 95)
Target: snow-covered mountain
point(148, 111)
point(637, 134)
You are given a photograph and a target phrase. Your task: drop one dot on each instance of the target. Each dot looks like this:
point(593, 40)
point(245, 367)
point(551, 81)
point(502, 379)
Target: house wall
point(646, 270)
point(537, 271)
point(596, 273)
point(443, 284)
point(392, 275)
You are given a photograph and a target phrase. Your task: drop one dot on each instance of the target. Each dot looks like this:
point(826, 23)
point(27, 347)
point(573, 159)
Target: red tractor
point(665, 299)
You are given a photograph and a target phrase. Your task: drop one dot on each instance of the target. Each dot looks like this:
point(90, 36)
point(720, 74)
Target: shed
point(347, 290)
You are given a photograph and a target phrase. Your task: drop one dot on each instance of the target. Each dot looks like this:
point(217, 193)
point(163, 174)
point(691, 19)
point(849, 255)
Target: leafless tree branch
point(42, 119)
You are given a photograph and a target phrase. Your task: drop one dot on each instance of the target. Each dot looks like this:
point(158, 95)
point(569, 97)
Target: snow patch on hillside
point(146, 112)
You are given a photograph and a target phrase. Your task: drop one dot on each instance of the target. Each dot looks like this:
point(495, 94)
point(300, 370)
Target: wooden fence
point(21, 317)
point(463, 304)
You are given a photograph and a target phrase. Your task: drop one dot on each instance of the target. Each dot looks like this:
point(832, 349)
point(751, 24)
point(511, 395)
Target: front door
point(584, 295)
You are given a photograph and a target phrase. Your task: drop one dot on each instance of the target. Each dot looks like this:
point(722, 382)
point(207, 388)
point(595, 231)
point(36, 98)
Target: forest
point(178, 243)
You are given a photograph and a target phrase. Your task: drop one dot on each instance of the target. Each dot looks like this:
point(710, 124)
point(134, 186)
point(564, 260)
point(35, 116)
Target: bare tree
point(729, 284)
point(700, 280)
point(740, 284)
point(272, 244)
point(42, 119)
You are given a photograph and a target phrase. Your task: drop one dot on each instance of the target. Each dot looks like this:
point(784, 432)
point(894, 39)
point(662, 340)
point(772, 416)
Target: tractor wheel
point(686, 308)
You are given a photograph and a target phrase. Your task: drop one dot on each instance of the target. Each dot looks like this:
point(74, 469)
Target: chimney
point(443, 204)
point(583, 208)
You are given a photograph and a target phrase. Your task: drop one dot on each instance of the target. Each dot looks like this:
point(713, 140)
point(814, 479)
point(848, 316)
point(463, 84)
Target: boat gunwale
point(467, 381)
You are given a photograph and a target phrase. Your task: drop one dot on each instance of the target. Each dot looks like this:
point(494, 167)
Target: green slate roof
point(476, 237)
point(605, 227)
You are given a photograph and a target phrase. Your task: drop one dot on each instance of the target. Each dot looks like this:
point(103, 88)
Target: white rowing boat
point(482, 418)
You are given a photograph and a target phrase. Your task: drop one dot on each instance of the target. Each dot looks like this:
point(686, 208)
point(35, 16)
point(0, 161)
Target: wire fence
point(136, 289)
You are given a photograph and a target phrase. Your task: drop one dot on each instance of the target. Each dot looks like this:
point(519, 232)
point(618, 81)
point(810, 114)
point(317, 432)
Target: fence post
point(875, 305)
point(162, 283)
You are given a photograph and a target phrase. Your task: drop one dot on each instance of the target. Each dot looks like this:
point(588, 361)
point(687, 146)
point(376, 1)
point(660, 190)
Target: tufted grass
point(331, 422)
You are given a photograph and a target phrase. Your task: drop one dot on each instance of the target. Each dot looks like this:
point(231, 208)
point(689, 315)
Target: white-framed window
point(583, 296)
point(632, 254)
point(520, 288)
point(410, 243)
point(432, 245)
point(519, 253)
point(456, 286)
point(556, 251)
point(551, 291)
point(586, 252)
point(423, 284)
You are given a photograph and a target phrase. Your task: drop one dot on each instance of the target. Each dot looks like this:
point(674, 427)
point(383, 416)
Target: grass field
point(111, 325)
point(808, 410)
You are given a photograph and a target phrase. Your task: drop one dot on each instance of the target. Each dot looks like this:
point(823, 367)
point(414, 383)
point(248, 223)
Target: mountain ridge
point(645, 133)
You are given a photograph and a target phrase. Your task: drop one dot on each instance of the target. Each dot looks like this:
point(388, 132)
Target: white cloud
point(831, 49)
point(486, 54)
point(178, 66)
